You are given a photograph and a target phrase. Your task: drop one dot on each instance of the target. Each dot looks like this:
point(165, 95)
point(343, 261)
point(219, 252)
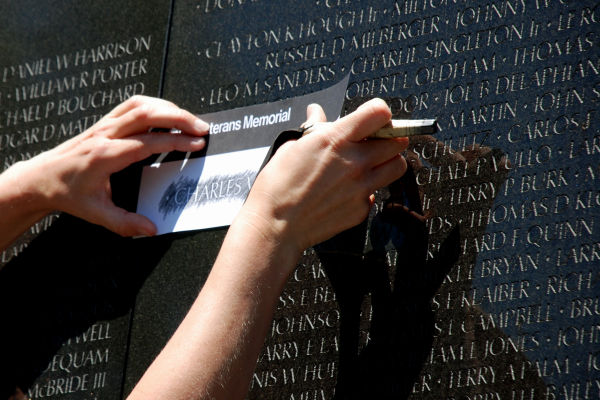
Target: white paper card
point(198, 193)
point(208, 192)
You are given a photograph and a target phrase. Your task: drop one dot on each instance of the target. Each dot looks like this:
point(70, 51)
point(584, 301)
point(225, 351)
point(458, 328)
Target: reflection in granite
point(68, 288)
point(67, 320)
point(491, 293)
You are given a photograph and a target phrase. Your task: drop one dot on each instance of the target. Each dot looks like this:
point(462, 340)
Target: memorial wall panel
point(494, 295)
point(487, 290)
point(66, 287)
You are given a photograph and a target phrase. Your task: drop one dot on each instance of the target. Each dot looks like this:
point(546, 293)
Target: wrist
point(21, 203)
point(268, 235)
point(24, 185)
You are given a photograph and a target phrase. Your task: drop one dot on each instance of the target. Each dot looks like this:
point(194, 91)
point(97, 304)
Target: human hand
point(74, 177)
point(323, 183)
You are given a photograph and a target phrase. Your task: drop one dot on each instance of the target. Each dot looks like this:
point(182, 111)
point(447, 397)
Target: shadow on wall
point(402, 321)
point(68, 278)
point(402, 329)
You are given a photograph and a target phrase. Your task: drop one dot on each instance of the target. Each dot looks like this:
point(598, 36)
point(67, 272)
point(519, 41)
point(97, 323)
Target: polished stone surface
point(494, 295)
point(488, 296)
point(66, 299)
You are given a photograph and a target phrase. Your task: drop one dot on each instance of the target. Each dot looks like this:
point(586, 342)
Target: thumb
point(314, 114)
point(125, 223)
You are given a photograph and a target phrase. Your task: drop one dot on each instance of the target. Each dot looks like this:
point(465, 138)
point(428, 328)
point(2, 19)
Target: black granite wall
point(492, 295)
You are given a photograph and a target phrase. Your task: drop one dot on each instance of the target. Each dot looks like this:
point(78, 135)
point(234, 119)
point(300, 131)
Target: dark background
point(397, 307)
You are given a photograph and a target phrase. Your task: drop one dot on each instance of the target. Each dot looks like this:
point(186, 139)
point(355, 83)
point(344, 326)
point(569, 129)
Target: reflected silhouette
point(401, 331)
point(393, 338)
point(68, 278)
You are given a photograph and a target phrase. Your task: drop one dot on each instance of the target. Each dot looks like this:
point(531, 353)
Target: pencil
point(397, 128)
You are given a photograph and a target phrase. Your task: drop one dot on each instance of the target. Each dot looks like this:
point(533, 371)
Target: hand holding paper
point(74, 176)
point(209, 191)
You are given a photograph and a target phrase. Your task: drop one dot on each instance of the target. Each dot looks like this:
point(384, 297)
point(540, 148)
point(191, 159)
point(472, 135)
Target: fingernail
point(402, 140)
point(201, 126)
point(198, 141)
point(146, 232)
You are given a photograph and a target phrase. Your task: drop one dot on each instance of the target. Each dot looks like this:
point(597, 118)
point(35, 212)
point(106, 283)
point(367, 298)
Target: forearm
point(213, 352)
point(312, 189)
point(21, 204)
